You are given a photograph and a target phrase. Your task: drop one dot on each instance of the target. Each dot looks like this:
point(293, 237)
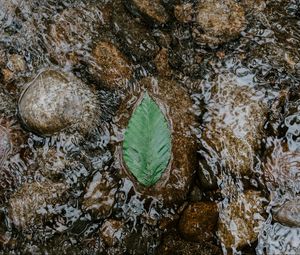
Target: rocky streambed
point(149, 127)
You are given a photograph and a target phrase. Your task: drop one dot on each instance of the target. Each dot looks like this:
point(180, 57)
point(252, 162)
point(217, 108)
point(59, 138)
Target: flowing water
point(234, 107)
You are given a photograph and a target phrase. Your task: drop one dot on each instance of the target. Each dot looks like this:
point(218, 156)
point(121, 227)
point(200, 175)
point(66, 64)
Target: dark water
point(64, 194)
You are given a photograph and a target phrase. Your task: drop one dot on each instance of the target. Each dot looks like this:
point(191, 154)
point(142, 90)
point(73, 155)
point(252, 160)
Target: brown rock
point(109, 65)
point(174, 184)
point(112, 232)
point(289, 213)
point(28, 206)
point(99, 197)
point(149, 10)
point(198, 221)
point(218, 21)
point(240, 221)
point(54, 101)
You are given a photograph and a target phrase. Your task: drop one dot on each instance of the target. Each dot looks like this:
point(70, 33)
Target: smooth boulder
point(55, 101)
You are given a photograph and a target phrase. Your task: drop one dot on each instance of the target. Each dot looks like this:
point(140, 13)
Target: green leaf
point(147, 142)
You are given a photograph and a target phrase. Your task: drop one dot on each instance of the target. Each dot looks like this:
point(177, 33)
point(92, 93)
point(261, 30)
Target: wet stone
point(240, 220)
point(109, 65)
point(151, 11)
point(135, 39)
point(35, 202)
point(99, 197)
point(289, 213)
point(54, 101)
point(198, 222)
point(174, 184)
point(218, 22)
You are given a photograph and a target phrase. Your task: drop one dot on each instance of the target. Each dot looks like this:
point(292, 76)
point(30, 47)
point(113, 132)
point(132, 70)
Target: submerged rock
point(34, 202)
point(135, 39)
point(109, 65)
point(198, 221)
point(289, 213)
point(232, 131)
point(240, 220)
point(99, 197)
point(174, 184)
point(151, 11)
point(55, 101)
point(218, 22)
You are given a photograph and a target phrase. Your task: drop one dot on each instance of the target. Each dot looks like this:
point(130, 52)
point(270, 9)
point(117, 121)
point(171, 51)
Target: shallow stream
point(224, 74)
